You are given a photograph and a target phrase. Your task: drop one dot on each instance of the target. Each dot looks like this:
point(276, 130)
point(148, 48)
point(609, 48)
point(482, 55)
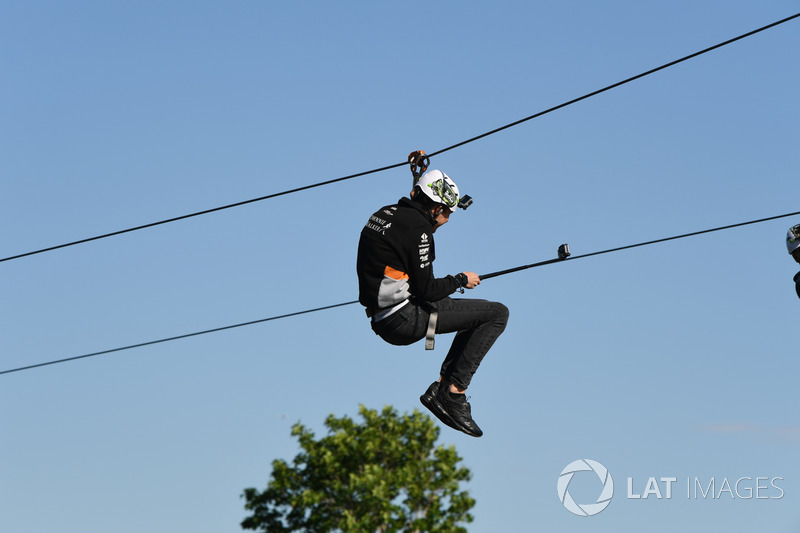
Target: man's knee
point(501, 313)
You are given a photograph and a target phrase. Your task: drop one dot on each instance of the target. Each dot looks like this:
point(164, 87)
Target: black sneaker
point(429, 400)
point(459, 411)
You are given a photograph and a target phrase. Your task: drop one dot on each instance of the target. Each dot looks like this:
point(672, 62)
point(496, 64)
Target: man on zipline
point(406, 303)
point(793, 245)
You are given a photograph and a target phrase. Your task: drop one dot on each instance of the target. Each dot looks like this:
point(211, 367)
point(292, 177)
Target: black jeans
point(478, 323)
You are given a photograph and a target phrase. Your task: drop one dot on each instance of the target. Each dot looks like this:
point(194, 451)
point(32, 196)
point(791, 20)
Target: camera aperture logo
point(585, 509)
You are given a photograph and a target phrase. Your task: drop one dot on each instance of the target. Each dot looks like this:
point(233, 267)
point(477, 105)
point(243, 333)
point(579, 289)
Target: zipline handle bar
point(563, 253)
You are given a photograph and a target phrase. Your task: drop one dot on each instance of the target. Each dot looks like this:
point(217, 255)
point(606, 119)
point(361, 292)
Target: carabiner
point(418, 162)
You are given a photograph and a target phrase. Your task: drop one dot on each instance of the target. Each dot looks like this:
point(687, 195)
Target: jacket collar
point(408, 202)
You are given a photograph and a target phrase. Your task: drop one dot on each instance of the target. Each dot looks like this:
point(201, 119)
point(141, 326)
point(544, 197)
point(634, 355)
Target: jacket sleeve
point(423, 285)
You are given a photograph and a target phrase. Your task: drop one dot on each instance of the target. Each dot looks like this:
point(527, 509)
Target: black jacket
point(395, 258)
point(797, 284)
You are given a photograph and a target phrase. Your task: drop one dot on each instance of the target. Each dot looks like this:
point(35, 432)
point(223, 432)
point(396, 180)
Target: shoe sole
point(436, 407)
point(477, 432)
point(438, 411)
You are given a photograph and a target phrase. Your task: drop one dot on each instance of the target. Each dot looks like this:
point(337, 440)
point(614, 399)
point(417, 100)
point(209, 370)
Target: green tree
point(382, 475)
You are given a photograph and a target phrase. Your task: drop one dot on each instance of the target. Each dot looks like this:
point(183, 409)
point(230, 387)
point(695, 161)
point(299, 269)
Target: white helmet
point(792, 238)
point(438, 186)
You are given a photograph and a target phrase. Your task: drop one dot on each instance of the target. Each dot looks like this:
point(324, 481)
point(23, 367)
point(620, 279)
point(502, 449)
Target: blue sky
point(674, 360)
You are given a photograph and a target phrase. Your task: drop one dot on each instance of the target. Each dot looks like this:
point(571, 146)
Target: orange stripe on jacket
point(394, 273)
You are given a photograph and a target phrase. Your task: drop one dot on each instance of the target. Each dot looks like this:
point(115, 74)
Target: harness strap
point(432, 320)
point(379, 314)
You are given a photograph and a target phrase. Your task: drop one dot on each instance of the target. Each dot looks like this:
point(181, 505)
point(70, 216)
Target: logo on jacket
point(378, 224)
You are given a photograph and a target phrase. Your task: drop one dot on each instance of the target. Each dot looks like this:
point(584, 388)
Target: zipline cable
point(168, 339)
point(199, 213)
point(618, 84)
point(628, 247)
point(485, 276)
point(396, 165)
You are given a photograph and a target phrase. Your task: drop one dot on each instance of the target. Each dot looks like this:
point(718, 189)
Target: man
point(406, 302)
point(793, 245)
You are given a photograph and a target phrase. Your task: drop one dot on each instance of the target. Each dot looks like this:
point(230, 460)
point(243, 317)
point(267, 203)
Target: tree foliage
point(384, 475)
